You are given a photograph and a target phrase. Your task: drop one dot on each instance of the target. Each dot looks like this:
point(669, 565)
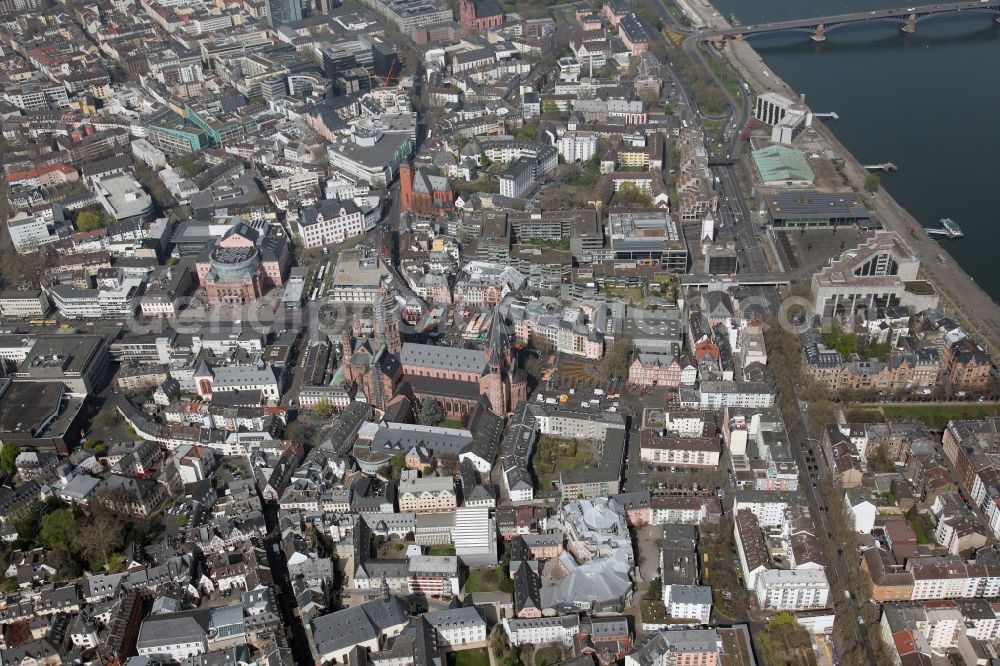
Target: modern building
point(780, 165)
point(792, 589)
point(24, 304)
point(409, 14)
point(669, 451)
point(78, 361)
point(577, 146)
point(809, 208)
point(369, 155)
point(880, 273)
point(29, 231)
point(648, 238)
point(115, 300)
point(432, 575)
point(518, 178)
point(123, 198)
point(786, 117)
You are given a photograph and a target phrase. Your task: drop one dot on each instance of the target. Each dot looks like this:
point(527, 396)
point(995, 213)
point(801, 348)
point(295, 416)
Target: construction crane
point(392, 67)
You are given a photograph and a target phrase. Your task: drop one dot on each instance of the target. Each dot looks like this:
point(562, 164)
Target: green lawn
point(550, 654)
point(451, 423)
point(477, 657)
point(482, 580)
point(917, 523)
point(937, 416)
point(442, 550)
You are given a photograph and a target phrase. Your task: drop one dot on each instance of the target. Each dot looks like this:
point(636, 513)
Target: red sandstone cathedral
point(383, 365)
point(480, 16)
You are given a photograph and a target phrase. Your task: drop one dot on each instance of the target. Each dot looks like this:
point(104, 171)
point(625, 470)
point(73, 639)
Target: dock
point(949, 229)
point(885, 166)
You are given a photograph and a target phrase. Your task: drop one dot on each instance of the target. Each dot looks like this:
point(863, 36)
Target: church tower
point(387, 332)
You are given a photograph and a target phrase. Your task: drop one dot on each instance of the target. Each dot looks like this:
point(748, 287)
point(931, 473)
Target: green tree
point(431, 412)
point(189, 167)
point(872, 183)
point(323, 409)
point(8, 456)
point(396, 464)
point(58, 530)
point(630, 194)
point(484, 160)
point(88, 220)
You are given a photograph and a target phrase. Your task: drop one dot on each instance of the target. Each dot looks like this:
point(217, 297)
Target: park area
point(554, 455)
point(476, 657)
point(937, 416)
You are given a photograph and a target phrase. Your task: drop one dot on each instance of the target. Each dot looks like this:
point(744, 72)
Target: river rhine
point(929, 102)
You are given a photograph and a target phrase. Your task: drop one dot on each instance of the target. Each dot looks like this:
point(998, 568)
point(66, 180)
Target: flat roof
point(356, 269)
point(812, 204)
point(378, 155)
point(25, 405)
point(781, 163)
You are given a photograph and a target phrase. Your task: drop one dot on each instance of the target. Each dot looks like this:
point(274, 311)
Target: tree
point(615, 363)
point(396, 464)
point(323, 409)
point(630, 194)
point(431, 412)
point(484, 160)
point(99, 539)
point(88, 220)
point(8, 457)
point(872, 183)
point(189, 167)
point(655, 590)
point(25, 517)
point(448, 464)
point(58, 529)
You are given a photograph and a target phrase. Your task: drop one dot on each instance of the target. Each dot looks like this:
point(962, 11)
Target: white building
point(23, 304)
point(750, 547)
point(792, 590)
point(767, 505)
point(149, 153)
point(542, 630)
point(237, 378)
point(578, 146)
point(121, 301)
point(518, 178)
point(719, 394)
point(689, 602)
point(123, 198)
point(457, 627)
point(330, 222)
point(862, 509)
point(29, 231)
point(786, 117)
point(475, 536)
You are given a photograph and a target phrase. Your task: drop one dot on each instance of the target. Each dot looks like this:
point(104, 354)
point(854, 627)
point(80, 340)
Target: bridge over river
point(817, 28)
